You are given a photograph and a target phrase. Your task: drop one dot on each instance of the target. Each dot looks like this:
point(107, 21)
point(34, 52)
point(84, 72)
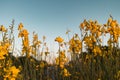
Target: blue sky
point(52, 17)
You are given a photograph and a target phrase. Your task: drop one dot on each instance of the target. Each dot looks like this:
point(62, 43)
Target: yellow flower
point(61, 65)
point(23, 33)
point(14, 71)
point(75, 44)
point(65, 70)
point(26, 42)
point(20, 27)
point(82, 25)
point(7, 45)
point(110, 20)
point(12, 79)
point(98, 34)
point(11, 73)
point(113, 23)
point(57, 61)
point(94, 50)
point(2, 28)
point(3, 51)
point(97, 51)
point(42, 65)
point(59, 39)
point(66, 73)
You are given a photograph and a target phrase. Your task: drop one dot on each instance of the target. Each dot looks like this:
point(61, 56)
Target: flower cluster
point(23, 33)
point(11, 73)
point(75, 44)
point(61, 59)
point(35, 44)
point(4, 50)
point(114, 29)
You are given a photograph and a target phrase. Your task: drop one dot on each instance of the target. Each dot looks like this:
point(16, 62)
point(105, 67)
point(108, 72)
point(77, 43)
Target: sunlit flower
point(4, 50)
point(20, 27)
point(59, 39)
point(82, 25)
point(75, 45)
point(23, 33)
point(2, 28)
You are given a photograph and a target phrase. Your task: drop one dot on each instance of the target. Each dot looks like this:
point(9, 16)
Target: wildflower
point(97, 51)
point(66, 73)
point(82, 25)
point(14, 71)
point(61, 66)
point(42, 65)
point(75, 44)
point(109, 20)
point(11, 73)
point(2, 28)
point(57, 61)
point(20, 27)
point(26, 42)
point(113, 23)
point(3, 51)
point(25, 33)
point(59, 39)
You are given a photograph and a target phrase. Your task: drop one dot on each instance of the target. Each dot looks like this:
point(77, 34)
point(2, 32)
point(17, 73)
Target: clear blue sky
point(52, 17)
